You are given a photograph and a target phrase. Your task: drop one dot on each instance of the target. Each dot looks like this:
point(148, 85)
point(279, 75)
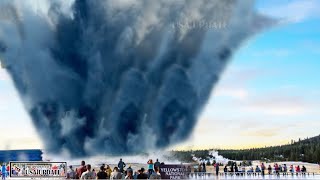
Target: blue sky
point(268, 95)
point(270, 92)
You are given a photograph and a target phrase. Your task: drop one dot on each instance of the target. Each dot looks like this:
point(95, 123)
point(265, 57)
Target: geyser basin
point(119, 77)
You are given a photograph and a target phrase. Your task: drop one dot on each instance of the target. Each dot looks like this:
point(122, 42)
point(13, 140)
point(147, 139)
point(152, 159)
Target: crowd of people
point(85, 171)
point(262, 169)
point(122, 171)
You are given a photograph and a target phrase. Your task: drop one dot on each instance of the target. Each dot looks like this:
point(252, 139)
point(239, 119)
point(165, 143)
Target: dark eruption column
point(120, 76)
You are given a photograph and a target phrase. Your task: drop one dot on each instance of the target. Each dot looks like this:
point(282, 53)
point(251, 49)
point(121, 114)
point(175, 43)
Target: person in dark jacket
point(102, 174)
point(129, 169)
point(156, 164)
point(269, 170)
point(232, 168)
point(142, 175)
point(225, 170)
point(204, 167)
point(236, 169)
point(303, 170)
point(121, 165)
point(217, 169)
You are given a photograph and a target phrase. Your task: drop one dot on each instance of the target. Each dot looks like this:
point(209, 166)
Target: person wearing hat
point(142, 175)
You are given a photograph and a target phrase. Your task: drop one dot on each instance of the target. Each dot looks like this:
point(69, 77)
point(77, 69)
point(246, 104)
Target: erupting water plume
point(123, 76)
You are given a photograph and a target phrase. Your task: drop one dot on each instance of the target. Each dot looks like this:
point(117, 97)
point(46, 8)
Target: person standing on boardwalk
point(4, 171)
point(225, 170)
point(108, 171)
point(121, 165)
point(263, 168)
point(71, 174)
point(116, 174)
point(269, 169)
point(88, 174)
point(155, 174)
point(81, 169)
point(102, 174)
point(157, 164)
point(150, 167)
point(204, 169)
point(217, 168)
point(142, 175)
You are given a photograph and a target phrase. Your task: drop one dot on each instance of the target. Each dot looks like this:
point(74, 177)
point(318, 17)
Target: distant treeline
point(307, 150)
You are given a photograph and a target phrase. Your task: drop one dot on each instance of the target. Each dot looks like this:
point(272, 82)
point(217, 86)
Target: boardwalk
point(240, 175)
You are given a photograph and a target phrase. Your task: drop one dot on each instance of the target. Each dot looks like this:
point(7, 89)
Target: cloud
point(277, 106)
point(262, 132)
point(238, 84)
point(294, 11)
point(21, 143)
point(280, 104)
point(235, 81)
point(238, 93)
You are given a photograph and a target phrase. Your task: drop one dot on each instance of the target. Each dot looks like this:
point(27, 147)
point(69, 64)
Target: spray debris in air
point(119, 77)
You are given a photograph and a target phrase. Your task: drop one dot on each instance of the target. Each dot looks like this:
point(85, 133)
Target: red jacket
point(80, 170)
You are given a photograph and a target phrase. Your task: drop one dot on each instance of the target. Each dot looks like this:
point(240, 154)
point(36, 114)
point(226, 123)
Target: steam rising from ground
point(119, 76)
point(213, 156)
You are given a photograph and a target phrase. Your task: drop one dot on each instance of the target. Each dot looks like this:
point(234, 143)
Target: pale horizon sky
point(268, 95)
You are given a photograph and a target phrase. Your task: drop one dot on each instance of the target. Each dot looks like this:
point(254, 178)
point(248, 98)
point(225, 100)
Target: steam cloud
point(213, 156)
point(119, 77)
